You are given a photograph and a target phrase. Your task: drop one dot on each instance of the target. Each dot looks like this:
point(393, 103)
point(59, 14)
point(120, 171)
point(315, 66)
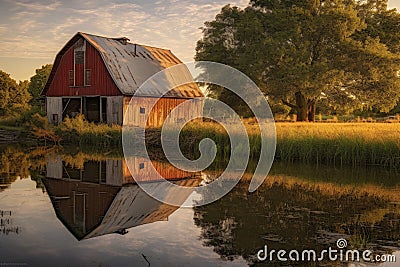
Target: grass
point(354, 144)
point(83, 133)
point(340, 143)
point(351, 144)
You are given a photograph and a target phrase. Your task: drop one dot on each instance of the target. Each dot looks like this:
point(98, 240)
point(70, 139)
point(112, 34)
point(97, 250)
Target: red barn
point(97, 76)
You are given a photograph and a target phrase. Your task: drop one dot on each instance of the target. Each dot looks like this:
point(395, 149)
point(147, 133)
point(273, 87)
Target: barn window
point(142, 110)
point(141, 166)
point(55, 118)
point(71, 78)
point(88, 77)
point(79, 57)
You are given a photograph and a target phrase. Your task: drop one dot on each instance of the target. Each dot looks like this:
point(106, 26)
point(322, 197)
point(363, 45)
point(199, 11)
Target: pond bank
point(347, 144)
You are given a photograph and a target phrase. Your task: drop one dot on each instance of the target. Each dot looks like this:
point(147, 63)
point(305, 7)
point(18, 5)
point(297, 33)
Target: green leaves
point(341, 49)
point(38, 81)
point(13, 97)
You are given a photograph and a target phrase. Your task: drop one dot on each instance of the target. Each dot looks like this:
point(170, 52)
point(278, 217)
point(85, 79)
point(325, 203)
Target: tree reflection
point(18, 162)
point(289, 213)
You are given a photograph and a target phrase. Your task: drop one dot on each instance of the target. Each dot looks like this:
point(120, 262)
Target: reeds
point(80, 132)
point(339, 144)
point(354, 144)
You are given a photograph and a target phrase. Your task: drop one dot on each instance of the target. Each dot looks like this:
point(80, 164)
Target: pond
point(61, 208)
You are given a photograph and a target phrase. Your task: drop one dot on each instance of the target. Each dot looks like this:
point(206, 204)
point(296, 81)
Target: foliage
point(83, 133)
point(38, 81)
point(41, 129)
point(14, 97)
point(285, 47)
point(20, 161)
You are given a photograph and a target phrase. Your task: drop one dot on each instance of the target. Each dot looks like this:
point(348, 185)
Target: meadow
point(351, 144)
point(340, 143)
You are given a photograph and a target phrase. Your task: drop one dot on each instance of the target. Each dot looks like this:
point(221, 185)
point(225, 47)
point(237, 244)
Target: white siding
point(114, 172)
point(114, 109)
point(54, 168)
point(54, 109)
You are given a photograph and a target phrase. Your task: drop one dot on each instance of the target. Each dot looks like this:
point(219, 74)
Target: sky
point(32, 32)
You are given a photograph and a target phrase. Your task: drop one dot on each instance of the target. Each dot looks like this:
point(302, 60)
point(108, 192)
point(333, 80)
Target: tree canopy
point(301, 51)
point(38, 81)
point(14, 97)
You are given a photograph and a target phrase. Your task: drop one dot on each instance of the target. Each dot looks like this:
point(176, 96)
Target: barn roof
point(133, 207)
point(121, 208)
point(130, 65)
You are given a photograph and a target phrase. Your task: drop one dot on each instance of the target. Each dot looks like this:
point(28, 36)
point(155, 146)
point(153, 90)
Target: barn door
point(92, 108)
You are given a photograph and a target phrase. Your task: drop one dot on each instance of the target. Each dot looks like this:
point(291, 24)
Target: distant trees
point(38, 81)
point(343, 51)
point(14, 97)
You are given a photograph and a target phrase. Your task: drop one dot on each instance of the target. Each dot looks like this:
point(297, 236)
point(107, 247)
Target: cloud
point(38, 29)
point(3, 29)
point(38, 6)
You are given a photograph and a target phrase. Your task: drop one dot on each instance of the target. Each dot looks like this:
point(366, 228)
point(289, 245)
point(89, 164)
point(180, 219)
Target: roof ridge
point(114, 38)
point(166, 49)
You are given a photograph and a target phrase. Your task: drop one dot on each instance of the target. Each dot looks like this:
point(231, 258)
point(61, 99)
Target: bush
point(79, 131)
point(26, 116)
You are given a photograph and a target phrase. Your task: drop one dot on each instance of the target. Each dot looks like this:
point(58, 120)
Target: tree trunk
point(301, 107)
point(311, 110)
point(305, 108)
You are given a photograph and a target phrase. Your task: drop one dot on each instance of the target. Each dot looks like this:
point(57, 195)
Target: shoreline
point(342, 144)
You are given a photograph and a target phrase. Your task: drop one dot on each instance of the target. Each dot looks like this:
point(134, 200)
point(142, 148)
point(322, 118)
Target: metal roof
point(130, 65)
point(133, 207)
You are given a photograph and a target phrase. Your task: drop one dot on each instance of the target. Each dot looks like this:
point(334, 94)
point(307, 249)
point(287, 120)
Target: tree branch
point(288, 104)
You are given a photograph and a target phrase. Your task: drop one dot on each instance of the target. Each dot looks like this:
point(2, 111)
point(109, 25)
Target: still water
point(62, 208)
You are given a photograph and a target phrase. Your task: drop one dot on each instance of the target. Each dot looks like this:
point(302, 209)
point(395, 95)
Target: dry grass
point(340, 144)
point(368, 132)
point(352, 144)
point(83, 133)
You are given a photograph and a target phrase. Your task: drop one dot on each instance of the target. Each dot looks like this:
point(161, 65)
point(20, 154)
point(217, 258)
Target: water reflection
point(289, 212)
point(87, 195)
point(101, 197)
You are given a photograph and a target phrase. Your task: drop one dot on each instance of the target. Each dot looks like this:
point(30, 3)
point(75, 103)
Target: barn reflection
point(102, 197)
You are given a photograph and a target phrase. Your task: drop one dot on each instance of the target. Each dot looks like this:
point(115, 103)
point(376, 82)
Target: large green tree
point(297, 51)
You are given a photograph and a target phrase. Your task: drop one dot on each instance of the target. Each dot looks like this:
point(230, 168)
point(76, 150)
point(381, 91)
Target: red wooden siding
point(101, 81)
point(145, 172)
point(159, 112)
point(79, 76)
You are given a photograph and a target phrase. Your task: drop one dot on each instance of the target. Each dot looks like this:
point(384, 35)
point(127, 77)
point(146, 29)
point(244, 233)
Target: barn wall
point(114, 110)
point(54, 107)
point(114, 172)
point(159, 112)
point(54, 168)
point(91, 203)
point(142, 170)
point(101, 81)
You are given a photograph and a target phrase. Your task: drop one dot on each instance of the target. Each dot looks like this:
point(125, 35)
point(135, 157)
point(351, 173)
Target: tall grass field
point(353, 144)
